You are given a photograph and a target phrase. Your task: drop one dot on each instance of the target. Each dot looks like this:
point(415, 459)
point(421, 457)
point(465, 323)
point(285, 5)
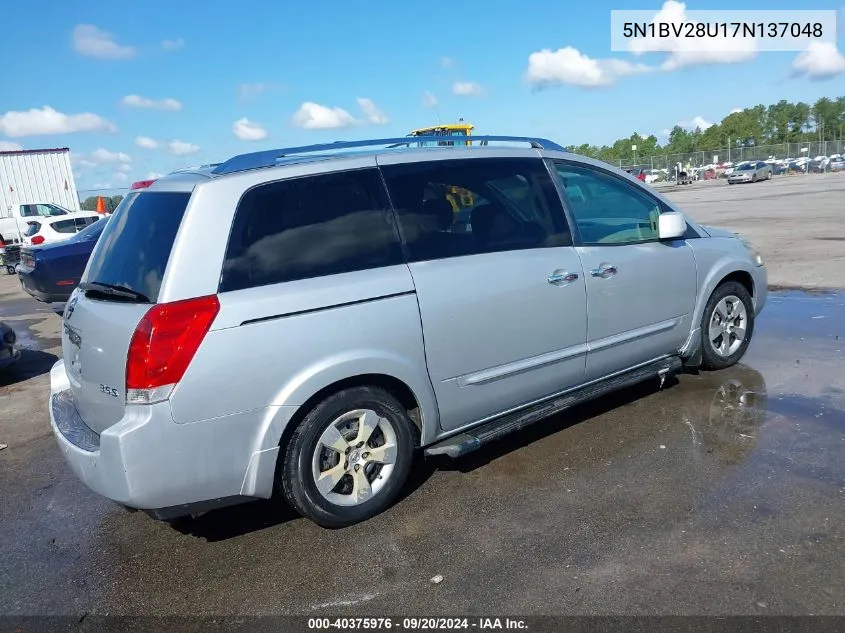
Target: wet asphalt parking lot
point(722, 493)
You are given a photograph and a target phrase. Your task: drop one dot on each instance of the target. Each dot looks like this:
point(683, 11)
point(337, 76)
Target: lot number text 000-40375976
point(739, 30)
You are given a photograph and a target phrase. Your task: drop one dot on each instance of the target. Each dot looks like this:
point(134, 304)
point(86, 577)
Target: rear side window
point(133, 250)
point(81, 223)
point(310, 227)
point(454, 208)
point(32, 228)
point(64, 226)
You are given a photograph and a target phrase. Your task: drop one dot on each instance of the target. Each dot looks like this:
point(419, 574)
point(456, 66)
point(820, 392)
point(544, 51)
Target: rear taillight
point(142, 184)
point(38, 239)
point(164, 344)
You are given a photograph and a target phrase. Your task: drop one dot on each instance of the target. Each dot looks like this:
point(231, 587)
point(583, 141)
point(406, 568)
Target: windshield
point(747, 167)
point(42, 210)
point(133, 250)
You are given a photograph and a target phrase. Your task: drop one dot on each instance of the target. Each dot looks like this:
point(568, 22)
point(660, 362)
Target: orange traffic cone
point(101, 206)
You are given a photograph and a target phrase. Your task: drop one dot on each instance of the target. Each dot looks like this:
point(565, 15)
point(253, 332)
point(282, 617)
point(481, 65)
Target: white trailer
point(30, 178)
point(37, 175)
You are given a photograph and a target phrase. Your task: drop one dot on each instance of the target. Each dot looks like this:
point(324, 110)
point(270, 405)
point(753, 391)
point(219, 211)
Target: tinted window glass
point(608, 210)
point(64, 226)
point(135, 244)
point(310, 227)
point(43, 210)
point(32, 228)
point(465, 207)
point(81, 223)
point(92, 231)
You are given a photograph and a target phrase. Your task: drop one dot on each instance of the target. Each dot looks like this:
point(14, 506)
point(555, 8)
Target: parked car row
point(51, 272)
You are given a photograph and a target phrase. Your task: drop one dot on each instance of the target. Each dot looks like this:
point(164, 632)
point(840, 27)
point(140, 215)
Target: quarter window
point(606, 209)
point(470, 206)
point(64, 226)
point(310, 227)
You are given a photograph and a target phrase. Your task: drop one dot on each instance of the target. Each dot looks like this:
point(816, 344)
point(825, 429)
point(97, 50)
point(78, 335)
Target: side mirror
point(671, 226)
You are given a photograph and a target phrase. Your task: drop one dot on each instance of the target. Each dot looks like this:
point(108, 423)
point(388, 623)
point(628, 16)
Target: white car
point(46, 230)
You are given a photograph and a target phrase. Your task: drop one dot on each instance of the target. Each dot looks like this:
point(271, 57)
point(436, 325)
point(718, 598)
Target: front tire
point(349, 458)
point(726, 326)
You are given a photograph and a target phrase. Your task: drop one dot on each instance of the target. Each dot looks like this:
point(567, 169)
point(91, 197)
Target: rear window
point(32, 228)
point(133, 250)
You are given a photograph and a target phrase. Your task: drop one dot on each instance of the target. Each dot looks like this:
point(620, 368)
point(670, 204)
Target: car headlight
point(755, 254)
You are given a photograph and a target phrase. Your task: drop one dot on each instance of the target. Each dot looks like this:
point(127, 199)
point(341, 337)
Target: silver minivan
point(298, 323)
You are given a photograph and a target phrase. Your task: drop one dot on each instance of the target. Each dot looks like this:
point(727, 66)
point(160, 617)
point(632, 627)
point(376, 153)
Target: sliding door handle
point(562, 278)
point(604, 271)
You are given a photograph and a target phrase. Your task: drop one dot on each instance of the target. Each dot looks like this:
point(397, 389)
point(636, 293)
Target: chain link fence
point(782, 152)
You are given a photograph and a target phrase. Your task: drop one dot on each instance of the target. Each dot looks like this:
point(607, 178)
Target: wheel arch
point(392, 385)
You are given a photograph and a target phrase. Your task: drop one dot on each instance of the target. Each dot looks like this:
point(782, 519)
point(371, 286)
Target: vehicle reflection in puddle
point(727, 428)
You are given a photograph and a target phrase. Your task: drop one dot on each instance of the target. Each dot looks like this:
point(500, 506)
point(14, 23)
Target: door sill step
point(474, 438)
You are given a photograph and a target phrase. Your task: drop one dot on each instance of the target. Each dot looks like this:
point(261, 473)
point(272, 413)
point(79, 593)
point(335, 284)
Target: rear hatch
point(119, 286)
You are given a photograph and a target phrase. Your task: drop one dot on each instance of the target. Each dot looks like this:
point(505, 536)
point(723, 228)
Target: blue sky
point(141, 88)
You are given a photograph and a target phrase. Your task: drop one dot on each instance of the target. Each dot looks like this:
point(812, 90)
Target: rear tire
point(359, 445)
point(727, 326)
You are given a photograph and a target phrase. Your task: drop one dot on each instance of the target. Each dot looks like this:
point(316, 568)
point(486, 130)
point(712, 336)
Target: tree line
point(781, 122)
point(110, 202)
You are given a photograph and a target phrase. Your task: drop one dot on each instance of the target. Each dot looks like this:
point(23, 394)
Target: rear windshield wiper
point(114, 291)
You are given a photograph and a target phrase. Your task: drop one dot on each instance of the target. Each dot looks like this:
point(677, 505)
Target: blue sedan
point(51, 272)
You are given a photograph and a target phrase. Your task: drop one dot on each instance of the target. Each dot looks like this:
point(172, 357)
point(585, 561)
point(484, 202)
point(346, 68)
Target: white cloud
point(695, 122)
point(180, 148)
point(146, 142)
point(466, 88)
point(735, 110)
point(36, 122)
point(105, 156)
point(8, 146)
point(90, 41)
point(126, 168)
point(569, 66)
point(447, 62)
point(78, 161)
point(313, 116)
point(247, 130)
point(172, 45)
point(686, 51)
point(372, 112)
point(136, 101)
point(429, 100)
point(821, 60)
point(121, 177)
point(101, 185)
point(245, 91)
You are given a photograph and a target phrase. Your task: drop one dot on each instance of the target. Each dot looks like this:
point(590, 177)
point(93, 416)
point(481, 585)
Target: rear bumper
point(149, 462)
point(38, 291)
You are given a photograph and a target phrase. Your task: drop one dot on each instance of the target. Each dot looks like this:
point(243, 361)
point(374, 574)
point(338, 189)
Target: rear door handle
point(604, 271)
point(562, 278)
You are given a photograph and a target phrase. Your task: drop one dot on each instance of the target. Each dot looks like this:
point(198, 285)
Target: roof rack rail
point(269, 158)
